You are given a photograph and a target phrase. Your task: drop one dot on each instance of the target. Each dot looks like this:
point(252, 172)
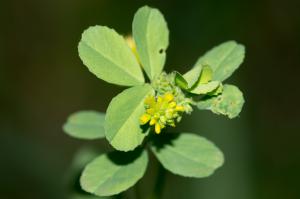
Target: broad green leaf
point(108, 56)
point(122, 127)
point(85, 125)
point(229, 103)
point(112, 173)
point(187, 154)
point(206, 88)
point(224, 59)
point(180, 81)
point(151, 35)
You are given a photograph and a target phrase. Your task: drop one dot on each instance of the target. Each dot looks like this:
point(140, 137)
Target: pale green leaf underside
point(107, 55)
point(122, 127)
point(151, 35)
point(229, 103)
point(206, 88)
point(85, 125)
point(110, 174)
point(189, 155)
point(192, 76)
point(224, 59)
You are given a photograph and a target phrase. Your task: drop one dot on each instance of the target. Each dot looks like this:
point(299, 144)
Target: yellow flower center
point(161, 111)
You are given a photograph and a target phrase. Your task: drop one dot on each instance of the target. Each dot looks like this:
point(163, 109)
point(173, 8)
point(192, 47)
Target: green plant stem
point(137, 191)
point(159, 182)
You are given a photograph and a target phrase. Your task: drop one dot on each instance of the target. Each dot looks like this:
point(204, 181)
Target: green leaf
point(224, 59)
point(151, 35)
point(206, 75)
point(85, 125)
point(206, 88)
point(108, 56)
point(187, 154)
point(180, 81)
point(193, 75)
point(229, 103)
point(113, 173)
point(122, 127)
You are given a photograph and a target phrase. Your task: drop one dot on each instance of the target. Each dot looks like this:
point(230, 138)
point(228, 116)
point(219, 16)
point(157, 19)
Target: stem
point(137, 192)
point(159, 182)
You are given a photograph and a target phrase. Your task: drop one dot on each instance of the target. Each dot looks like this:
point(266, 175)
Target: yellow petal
point(159, 99)
point(179, 108)
point(157, 128)
point(144, 119)
point(150, 111)
point(152, 121)
point(150, 101)
point(168, 97)
point(172, 104)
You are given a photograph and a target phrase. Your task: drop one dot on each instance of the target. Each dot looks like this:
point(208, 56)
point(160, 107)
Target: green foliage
point(192, 76)
point(188, 155)
point(229, 103)
point(224, 59)
point(206, 88)
point(206, 75)
point(147, 107)
point(85, 125)
point(82, 157)
point(151, 35)
point(181, 82)
point(122, 127)
point(114, 172)
point(107, 55)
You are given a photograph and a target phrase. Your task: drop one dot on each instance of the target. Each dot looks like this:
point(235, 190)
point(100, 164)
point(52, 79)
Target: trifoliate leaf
point(151, 35)
point(180, 81)
point(108, 56)
point(112, 173)
point(85, 125)
point(229, 103)
point(187, 154)
point(224, 59)
point(206, 88)
point(122, 126)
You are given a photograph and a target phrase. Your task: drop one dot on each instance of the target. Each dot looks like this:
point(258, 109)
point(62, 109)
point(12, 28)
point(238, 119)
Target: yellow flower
point(179, 108)
point(161, 111)
point(145, 118)
point(157, 128)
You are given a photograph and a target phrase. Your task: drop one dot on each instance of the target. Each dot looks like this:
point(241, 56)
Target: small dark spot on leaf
point(161, 51)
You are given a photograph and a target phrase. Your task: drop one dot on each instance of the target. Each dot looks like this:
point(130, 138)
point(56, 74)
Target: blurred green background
point(42, 81)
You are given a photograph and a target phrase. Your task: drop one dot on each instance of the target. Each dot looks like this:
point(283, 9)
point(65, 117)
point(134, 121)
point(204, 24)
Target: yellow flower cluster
point(161, 111)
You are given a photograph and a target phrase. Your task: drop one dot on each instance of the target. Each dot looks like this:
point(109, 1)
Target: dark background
point(42, 81)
